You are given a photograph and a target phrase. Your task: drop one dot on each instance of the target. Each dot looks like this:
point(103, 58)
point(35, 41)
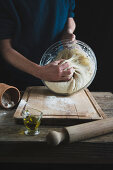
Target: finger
point(67, 78)
point(67, 72)
point(64, 66)
point(57, 62)
point(70, 36)
point(73, 37)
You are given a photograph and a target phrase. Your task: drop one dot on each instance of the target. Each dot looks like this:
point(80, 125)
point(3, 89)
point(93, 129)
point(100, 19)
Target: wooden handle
point(54, 137)
point(81, 132)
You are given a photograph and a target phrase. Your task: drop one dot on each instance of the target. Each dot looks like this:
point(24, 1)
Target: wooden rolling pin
point(80, 132)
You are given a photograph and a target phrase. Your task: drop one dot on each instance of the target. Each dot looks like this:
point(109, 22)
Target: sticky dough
point(84, 70)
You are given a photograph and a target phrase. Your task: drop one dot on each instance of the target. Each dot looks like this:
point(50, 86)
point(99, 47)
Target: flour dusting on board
point(53, 101)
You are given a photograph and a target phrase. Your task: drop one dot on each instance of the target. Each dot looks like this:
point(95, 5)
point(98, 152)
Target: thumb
point(73, 37)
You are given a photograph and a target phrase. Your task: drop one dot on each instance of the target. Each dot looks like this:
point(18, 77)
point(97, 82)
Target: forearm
point(69, 29)
point(55, 71)
point(70, 25)
point(50, 72)
point(19, 61)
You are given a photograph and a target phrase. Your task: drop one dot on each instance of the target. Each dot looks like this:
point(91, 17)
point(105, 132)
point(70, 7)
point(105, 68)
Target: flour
point(2, 114)
point(22, 103)
point(52, 101)
point(6, 101)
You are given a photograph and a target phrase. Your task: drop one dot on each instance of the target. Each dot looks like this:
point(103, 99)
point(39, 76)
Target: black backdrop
point(94, 20)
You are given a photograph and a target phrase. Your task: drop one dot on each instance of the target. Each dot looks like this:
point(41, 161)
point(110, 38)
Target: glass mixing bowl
point(52, 52)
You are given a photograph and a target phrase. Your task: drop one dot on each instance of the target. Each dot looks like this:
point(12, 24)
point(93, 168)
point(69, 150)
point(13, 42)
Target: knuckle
point(69, 72)
point(69, 77)
point(58, 69)
point(67, 64)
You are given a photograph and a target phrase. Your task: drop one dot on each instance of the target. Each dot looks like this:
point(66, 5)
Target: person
point(27, 29)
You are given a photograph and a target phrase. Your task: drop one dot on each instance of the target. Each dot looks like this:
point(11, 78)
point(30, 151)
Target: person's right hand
point(56, 71)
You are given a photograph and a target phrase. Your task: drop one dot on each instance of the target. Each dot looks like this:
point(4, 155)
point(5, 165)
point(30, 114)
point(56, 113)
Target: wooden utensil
point(81, 132)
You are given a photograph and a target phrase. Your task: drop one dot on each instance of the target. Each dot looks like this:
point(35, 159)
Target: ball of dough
point(84, 68)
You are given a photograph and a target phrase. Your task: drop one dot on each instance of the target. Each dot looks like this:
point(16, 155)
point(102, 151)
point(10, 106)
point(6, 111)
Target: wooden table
point(16, 147)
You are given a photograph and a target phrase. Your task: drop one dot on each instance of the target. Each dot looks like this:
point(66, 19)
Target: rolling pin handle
point(55, 138)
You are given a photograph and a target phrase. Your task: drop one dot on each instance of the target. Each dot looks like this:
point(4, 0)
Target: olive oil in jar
point(32, 123)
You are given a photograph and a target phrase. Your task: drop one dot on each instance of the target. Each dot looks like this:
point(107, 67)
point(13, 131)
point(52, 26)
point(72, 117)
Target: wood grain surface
point(17, 147)
point(79, 106)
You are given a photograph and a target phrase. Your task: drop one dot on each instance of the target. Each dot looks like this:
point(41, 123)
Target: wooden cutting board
point(59, 109)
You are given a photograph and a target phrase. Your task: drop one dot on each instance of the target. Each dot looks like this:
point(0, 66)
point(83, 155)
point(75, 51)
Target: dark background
point(94, 20)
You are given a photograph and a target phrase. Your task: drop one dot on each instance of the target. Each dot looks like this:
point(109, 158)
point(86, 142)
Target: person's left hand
point(68, 35)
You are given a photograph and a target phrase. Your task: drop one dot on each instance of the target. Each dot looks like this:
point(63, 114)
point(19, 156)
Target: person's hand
point(69, 35)
point(56, 71)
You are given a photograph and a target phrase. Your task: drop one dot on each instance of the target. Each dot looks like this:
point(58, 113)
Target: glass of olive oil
point(32, 122)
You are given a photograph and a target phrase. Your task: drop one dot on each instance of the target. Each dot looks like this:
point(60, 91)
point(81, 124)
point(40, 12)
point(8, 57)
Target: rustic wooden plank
point(15, 134)
point(16, 147)
point(10, 131)
point(105, 101)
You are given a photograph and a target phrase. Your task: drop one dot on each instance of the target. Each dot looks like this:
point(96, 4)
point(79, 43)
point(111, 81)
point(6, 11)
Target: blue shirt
point(34, 25)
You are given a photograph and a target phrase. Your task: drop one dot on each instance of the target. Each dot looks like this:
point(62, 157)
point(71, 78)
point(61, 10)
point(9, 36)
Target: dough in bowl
point(84, 68)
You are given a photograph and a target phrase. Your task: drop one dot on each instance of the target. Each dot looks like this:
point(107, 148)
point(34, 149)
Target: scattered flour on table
point(2, 114)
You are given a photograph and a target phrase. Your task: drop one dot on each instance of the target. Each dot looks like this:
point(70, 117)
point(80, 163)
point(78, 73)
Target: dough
point(84, 68)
